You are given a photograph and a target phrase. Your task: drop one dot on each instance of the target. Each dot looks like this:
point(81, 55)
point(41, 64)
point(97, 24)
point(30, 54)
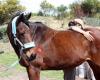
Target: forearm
point(85, 33)
point(78, 29)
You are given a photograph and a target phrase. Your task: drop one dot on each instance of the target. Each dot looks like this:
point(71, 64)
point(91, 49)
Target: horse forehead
point(22, 25)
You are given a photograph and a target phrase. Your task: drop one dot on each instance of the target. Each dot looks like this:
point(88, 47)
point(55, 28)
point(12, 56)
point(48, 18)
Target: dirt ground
point(15, 74)
point(23, 76)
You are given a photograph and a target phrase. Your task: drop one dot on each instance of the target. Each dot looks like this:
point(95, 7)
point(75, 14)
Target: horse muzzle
point(32, 57)
point(30, 54)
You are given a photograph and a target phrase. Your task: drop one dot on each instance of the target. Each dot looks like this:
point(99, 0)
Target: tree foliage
point(61, 11)
point(89, 7)
point(46, 8)
point(86, 7)
point(98, 7)
point(40, 13)
point(8, 8)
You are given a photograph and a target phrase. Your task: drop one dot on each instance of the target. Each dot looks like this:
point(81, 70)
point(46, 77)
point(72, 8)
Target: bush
point(97, 15)
point(8, 8)
point(40, 13)
point(3, 32)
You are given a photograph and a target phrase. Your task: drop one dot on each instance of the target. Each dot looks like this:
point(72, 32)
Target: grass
point(52, 75)
point(6, 60)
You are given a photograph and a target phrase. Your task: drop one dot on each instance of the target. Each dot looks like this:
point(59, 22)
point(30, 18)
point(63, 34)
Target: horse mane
point(40, 24)
point(41, 30)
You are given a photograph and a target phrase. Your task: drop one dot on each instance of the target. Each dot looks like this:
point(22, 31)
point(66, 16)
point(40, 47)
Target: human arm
point(85, 33)
point(78, 29)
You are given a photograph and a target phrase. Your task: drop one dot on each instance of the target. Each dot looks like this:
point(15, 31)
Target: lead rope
point(15, 63)
point(11, 66)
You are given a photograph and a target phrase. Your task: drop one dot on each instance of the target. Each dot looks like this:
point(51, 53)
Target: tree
point(90, 7)
point(61, 11)
point(75, 9)
point(85, 8)
point(98, 7)
point(46, 8)
point(8, 8)
point(40, 13)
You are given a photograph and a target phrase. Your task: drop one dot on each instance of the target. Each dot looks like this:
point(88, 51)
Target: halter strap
point(24, 46)
point(29, 45)
point(14, 26)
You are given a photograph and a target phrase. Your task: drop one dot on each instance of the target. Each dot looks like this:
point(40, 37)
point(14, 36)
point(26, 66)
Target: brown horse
point(53, 50)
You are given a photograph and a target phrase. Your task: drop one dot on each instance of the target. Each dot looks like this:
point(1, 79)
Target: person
point(85, 72)
point(78, 25)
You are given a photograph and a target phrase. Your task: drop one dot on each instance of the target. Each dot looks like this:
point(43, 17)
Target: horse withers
point(52, 49)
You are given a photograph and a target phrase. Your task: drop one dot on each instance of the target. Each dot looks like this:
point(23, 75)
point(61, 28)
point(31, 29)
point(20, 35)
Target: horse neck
point(49, 34)
point(45, 35)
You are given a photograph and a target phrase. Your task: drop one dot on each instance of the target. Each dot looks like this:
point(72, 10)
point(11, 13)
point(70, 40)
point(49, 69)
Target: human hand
point(88, 35)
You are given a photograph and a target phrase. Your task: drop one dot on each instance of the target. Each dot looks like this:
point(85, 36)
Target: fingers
point(92, 38)
point(89, 36)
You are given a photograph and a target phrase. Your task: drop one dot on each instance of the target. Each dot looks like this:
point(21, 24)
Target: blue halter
point(26, 45)
point(14, 26)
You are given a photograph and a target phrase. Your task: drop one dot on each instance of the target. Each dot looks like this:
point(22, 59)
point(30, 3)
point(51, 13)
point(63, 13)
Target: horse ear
point(28, 16)
point(21, 18)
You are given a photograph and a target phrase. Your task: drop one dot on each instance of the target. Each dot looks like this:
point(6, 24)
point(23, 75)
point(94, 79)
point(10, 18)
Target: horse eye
point(22, 34)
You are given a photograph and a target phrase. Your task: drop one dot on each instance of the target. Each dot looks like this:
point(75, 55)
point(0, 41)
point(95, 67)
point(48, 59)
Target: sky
point(34, 5)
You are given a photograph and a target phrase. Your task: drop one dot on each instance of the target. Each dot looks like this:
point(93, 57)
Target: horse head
point(20, 36)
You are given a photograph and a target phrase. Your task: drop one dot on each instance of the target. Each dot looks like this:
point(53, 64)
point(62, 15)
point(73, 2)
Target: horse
point(39, 47)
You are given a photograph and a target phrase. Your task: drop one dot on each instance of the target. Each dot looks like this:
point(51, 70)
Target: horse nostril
point(32, 57)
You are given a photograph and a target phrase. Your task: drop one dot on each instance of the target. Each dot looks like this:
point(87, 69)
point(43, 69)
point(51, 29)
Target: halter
point(23, 46)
